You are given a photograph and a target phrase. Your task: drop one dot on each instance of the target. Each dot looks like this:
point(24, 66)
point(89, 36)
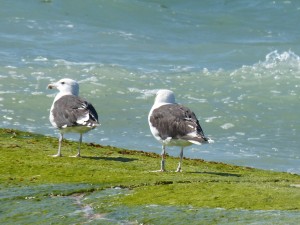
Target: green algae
point(216, 195)
point(25, 162)
point(98, 208)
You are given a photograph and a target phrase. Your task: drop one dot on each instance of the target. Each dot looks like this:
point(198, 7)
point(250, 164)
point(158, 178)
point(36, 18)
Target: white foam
point(146, 93)
point(89, 79)
point(7, 117)
point(40, 59)
point(253, 139)
point(201, 100)
point(210, 119)
point(227, 126)
point(37, 93)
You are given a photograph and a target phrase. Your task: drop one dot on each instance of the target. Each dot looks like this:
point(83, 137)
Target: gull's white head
point(66, 86)
point(164, 96)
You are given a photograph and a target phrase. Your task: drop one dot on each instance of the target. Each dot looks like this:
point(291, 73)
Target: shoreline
point(209, 185)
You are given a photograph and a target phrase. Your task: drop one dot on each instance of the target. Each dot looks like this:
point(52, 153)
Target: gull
point(173, 124)
point(70, 113)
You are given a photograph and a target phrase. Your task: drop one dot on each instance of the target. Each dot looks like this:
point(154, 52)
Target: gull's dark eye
point(62, 82)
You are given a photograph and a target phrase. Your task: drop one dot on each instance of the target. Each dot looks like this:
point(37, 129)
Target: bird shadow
point(117, 159)
point(218, 174)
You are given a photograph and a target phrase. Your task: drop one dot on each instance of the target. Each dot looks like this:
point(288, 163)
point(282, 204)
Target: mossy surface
point(25, 162)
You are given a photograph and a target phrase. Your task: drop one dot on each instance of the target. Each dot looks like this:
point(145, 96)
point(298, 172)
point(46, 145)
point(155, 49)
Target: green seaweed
point(25, 162)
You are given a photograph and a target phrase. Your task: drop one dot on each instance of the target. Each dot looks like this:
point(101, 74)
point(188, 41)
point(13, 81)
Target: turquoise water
point(236, 64)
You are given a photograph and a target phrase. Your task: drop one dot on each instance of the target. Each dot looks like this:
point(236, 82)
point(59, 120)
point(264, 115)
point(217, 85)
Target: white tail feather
point(195, 142)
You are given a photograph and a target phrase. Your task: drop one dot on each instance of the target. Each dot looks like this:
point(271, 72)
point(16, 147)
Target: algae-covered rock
point(24, 162)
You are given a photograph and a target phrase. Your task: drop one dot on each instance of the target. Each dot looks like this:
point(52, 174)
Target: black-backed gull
point(70, 113)
point(174, 125)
